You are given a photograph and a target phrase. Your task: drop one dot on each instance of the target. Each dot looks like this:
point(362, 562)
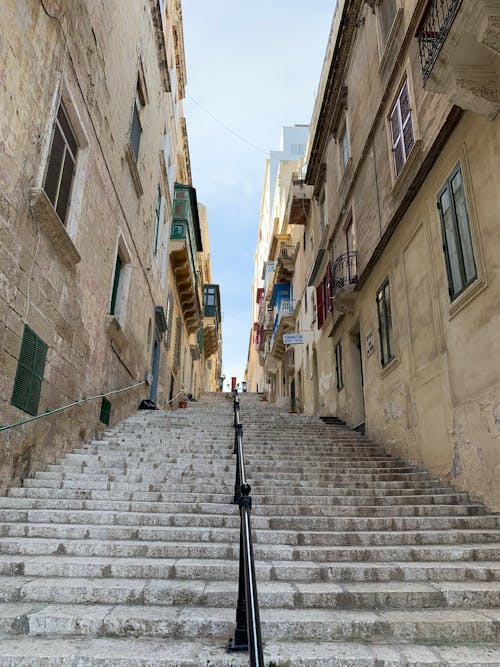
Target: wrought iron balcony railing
point(345, 271)
point(433, 30)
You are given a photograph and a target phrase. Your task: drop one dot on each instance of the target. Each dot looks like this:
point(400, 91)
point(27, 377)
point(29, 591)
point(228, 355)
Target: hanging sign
point(293, 339)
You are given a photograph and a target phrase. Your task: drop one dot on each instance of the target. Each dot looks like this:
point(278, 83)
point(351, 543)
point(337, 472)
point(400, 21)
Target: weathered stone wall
point(90, 54)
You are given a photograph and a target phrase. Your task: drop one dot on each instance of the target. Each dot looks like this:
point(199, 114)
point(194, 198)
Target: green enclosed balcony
point(185, 242)
point(211, 320)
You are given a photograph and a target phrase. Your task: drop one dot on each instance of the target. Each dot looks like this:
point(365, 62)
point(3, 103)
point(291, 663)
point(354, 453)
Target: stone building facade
point(93, 144)
point(398, 212)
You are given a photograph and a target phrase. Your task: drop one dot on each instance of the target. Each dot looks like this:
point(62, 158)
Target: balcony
point(459, 47)
point(344, 280)
point(211, 319)
point(285, 265)
point(299, 202)
point(185, 242)
point(284, 323)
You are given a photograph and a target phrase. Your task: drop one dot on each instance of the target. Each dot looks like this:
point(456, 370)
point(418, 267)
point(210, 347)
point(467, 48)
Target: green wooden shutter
point(105, 411)
point(29, 373)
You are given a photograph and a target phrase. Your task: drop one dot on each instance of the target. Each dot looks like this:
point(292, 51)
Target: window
point(116, 284)
point(29, 373)
point(305, 298)
point(323, 296)
point(386, 12)
point(178, 342)
point(61, 164)
point(457, 241)
point(169, 318)
point(401, 129)
point(157, 219)
point(136, 126)
point(338, 366)
point(105, 415)
point(322, 210)
point(344, 147)
point(121, 283)
point(209, 296)
point(385, 324)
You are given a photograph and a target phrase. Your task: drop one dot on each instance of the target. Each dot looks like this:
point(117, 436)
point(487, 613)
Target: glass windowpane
point(67, 130)
point(463, 227)
point(54, 166)
point(451, 242)
point(65, 186)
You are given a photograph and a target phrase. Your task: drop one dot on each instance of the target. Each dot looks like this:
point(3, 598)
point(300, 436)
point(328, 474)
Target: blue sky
point(255, 66)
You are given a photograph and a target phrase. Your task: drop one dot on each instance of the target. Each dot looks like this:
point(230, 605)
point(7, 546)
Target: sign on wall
point(293, 339)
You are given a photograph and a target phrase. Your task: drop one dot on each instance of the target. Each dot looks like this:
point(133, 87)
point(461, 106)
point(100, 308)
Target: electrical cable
point(226, 127)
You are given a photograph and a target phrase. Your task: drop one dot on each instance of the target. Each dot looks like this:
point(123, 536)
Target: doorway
point(357, 379)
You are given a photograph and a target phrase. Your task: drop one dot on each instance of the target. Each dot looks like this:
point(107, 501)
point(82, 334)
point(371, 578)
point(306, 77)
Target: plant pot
point(183, 404)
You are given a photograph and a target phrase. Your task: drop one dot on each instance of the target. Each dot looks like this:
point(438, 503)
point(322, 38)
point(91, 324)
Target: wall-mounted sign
point(370, 343)
point(293, 339)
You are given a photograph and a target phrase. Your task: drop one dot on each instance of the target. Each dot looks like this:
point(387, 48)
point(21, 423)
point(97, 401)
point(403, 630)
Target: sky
point(255, 67)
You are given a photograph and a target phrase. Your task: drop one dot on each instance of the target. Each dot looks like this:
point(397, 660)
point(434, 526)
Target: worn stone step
point(146, 652)
point(259, 509)
point(259, 522)
point(272, 594)
point(429, 625)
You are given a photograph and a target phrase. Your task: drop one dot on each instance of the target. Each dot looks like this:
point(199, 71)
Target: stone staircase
point(126, 551)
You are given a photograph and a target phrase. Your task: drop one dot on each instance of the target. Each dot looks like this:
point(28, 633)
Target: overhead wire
point(226, 127)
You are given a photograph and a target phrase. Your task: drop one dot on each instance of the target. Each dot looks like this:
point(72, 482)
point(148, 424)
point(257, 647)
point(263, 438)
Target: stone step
point(220, 485)
point(119, 543)
point(259, 522)
point(145, 652)
point(183, 622)
point(226, 493)
point(272, 594)
point(259, 509)
point(317, 542)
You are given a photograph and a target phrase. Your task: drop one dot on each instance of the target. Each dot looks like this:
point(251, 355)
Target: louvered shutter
point(320, 302)
point(29, 373)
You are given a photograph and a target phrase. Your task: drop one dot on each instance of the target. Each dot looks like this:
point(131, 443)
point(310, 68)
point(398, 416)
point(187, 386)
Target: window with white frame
point(121, 283)
point(401, 127)
point(61, 165)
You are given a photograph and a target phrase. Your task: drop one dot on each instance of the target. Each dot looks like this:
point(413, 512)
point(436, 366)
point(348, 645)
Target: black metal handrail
point(345, 271)
point(247, 636)
point(433, 30)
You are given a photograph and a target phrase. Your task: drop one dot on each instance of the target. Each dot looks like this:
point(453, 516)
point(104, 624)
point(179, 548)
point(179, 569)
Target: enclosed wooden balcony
point(299, 202)
point(185, 242)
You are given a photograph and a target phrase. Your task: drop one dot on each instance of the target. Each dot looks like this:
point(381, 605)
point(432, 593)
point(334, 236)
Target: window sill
point(466, 297)
point(401, 180)
point(44, 213)
point(389, 367)
point(116, 332)
point(131, 161)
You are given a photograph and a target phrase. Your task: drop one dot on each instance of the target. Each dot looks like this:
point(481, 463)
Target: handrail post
point(247, 635)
